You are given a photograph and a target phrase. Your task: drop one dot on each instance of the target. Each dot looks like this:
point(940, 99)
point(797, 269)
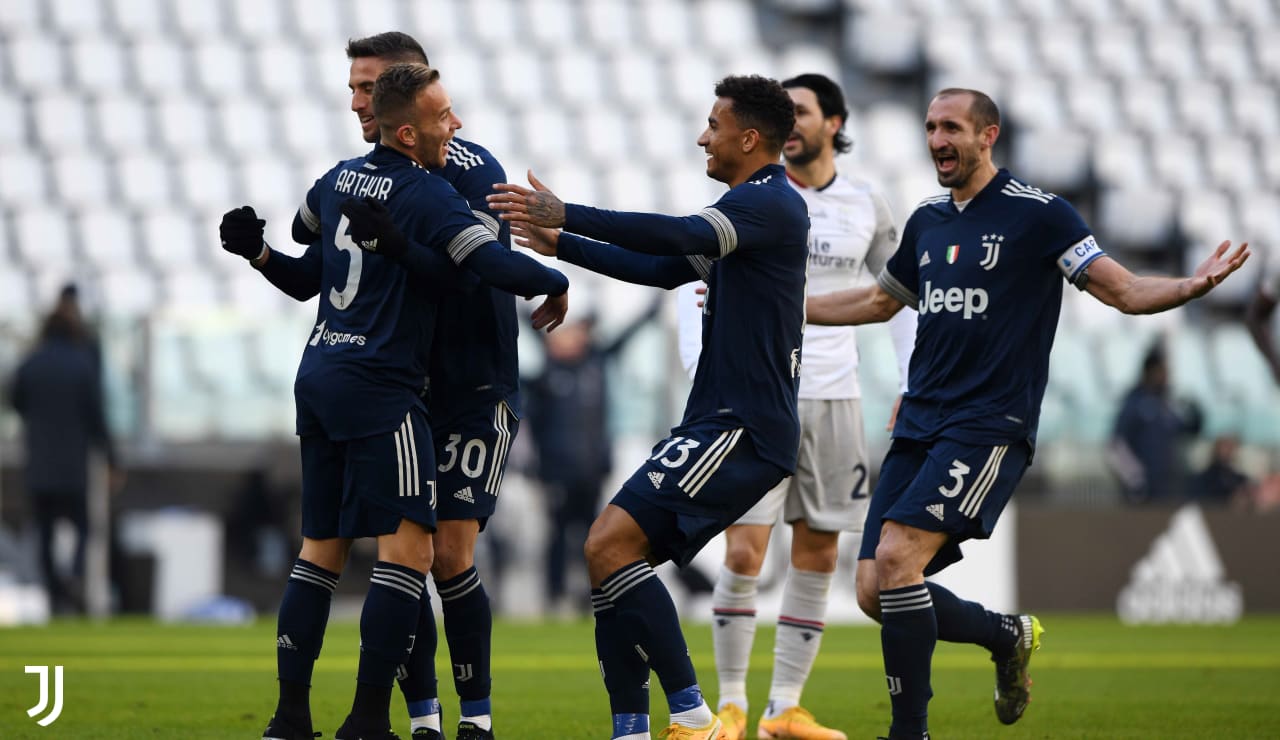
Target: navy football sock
point(908, 632)
point(468, 627)
point(387, 625)
point(304, 612)
point(626, 674)
point(647, 618)
point(969, 621)
point(418, 677)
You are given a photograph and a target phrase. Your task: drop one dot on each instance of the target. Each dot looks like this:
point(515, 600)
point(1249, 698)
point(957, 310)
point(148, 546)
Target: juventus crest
point(991, 243)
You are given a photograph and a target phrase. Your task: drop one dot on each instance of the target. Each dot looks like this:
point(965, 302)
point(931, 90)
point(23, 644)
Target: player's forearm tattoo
point(545, 209)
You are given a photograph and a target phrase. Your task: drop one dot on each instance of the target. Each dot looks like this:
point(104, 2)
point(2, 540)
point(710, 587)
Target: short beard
point(806, 155)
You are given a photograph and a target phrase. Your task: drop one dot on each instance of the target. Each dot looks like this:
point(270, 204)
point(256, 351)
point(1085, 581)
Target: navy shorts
point(364, 487)
point(693, 487)
point(944, 486)
point(471, 455)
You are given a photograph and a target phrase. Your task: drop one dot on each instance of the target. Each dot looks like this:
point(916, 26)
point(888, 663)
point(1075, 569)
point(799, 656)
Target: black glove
point(371, 227)
point(241, 232)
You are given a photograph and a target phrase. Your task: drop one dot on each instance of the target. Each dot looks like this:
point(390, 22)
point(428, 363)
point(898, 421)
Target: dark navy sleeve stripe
point(895, 288)
point(467, 241)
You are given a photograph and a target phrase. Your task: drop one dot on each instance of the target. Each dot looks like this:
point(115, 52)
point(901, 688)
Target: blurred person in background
point(984, 267)
point(1221, 482)
point(568, 412)
point(1150, 429)
point(740, 431)
point(852, 234)
point(57, 391)
point(1261, 311)
point(369, 466)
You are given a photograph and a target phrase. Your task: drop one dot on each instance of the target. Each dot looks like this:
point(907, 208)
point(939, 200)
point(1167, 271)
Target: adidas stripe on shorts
point(695, 484)
point(471, 459)
point(364, 487)
point(944, 486)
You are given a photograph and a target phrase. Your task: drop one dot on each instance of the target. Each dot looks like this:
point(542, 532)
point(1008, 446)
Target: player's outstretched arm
point(371, 228)
point(866, 305)
point(242, 234)
point(647, 233)
point(607, 259)
point(1113, 284)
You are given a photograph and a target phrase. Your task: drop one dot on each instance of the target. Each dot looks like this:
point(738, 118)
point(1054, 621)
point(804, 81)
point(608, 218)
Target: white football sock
point(800, 624)
point(733, 629)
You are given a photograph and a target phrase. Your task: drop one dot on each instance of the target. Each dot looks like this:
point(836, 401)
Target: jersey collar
point(769, 170)
point(818, 189)
point(382, 154)
point(996, 184)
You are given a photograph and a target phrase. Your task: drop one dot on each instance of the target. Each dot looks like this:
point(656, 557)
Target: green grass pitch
point(1094, 678)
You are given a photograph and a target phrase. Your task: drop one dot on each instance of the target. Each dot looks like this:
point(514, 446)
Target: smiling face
point(722, 140)
point(364, 72)
point(812, 136)
point(433, 125)
point(958, 147)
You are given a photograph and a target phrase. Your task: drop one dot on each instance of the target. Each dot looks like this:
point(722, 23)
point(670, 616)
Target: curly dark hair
point(392, 46)
point(760, 103)
point(396, 90)
point(830, 100)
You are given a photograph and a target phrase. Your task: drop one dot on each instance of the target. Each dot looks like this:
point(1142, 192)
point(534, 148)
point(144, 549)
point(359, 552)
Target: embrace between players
point(407, 249)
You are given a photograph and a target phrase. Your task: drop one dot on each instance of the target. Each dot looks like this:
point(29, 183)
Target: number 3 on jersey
point(676, 452)
point(341, 299)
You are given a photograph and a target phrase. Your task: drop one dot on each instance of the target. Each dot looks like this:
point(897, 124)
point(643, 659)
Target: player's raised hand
point(551, 313)
point(242, 231)
point(1217, 267)
point(543, 241)
point(538, 206)
point(371, 227)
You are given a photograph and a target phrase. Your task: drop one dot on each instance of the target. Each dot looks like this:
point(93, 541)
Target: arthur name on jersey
point(360, 184)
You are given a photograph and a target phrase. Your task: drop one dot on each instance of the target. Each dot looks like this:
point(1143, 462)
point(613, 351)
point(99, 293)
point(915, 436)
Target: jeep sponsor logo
point(966, 301)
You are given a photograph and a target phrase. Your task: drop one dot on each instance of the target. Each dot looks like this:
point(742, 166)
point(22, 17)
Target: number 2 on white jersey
point(341, 299)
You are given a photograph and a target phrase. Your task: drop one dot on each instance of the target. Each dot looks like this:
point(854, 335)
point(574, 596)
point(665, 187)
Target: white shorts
point(829, 490)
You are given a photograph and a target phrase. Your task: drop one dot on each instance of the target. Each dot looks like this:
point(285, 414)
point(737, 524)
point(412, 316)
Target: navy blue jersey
point(473, 358)
point(364, 365)
point(751, 247)
point(987, 282)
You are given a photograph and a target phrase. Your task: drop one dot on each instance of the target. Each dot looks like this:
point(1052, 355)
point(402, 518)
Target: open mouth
point(946, 162)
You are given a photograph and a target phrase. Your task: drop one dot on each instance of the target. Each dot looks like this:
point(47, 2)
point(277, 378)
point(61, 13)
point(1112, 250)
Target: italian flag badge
point(953, 252)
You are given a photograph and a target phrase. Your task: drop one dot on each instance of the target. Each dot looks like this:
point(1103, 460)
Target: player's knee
point(869, 598)
point(892, 564)
point(743, 558)
point(450, 559)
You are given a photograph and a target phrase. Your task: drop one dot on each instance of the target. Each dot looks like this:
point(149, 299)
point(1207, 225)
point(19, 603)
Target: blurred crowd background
point(127, 127)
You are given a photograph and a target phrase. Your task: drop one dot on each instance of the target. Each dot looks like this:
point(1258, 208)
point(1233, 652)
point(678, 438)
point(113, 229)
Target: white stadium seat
point(629, 186)
point(1225, 51)
point(577, 77)
point(551, 24)
point(1122, 160)
point(1178, 162)
point(1010, 48)
point(368, 17)
point(281, 70)
point(20, 16)
point(13, 121)
point(207, 180)
point(887, 41)
point(137, 18)
point(520, 75)
point(727, 24)
point(1093, 105)
point(107, 237)
point(144, 180)
point(160, 65)
point(318, 22)
point(548, 133)
point(663, 137)
point(609, 24)
point(600, 129)
point(948, 44)
point(666, 25)
point(491, 128)
point(1171, 51)
point(75, 17)
point(245, 124)
point(1137, 218)
point(36, 63)
point(801, 58)
point(635, 77)
point(493, 22)
point(693, 78)
point(305, 126)
point(98, 65)
point(23, 178)
point(268, 182)
point(170, 241)
point(1148, 105)
point(257, 20)
point(1055, 159)
point(81, 178)
point(1202, 107)
point(1118, 50)
point(1034, 100)
point(198, 21)
point(43, 239)
point(62, 121)
point(184, 124)
point(1064, 48)
point(1232, 163)
point(220, 67)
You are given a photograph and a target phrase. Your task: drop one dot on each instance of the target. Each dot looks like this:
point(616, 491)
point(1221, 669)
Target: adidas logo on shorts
point(937, 510)
point(465, 495)
point(656, 478)
point(283, 641)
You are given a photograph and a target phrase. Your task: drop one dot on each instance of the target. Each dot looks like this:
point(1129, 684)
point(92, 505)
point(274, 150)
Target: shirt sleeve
point(632, 267)
point(1066, 240)
point(885, 239)
point(902, 330)
point(900, 277)
point(689, 326)
point(306, 222)
point(475, 184)
point(296, 277)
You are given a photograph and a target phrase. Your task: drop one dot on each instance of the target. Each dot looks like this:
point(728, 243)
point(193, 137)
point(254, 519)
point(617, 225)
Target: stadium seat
point(635, 78)
point(609, 24)
point(572, 180)
point(256, 20)
point(886, 41)
point(551, 24)
point(1064, 49)
point(1177, 161)
point(23, 178)
point(629, 186)
point(1225, 51)
point(280, 70)
point(1255, 109)
point(13, 122)
point(1232, 163)
point(243, 124)
point(895, 136)
point(36, 63)
point(15, 298)
point(107, 237)
point(1092, 104)
point(1137, 217)
point(491, 128)
point(686, 189)
point(377, 16)
point(268, 182)
point(1202, 107)
point(464, 72)
point(665, 25)
point(1260, 219)
point(1146, 12)
point(692, 77)
point(127, 291)
point(1118, 50)
point(122, 122)
point(181, 409)
point(198, 21)
point(1171, 51)
point(184, 125)
point(1034, 101)
point(432, 24)
point(492, 22)
point(548, 133)
point(75, 17)
point(185, 291)
point(159, 65)
point(948, 43)
point(207, 180)
point(1255, 13)
point(220, 67)
point(520, 77)
point(1011, 49)
point(137, 18)
point(1097, 12)
point(317, 23)
point(63, 121)
point(1198, 12)
point(802, 58)
point(98, 64)
point(1206, 215)
point(726, 24)
point(144, 180)
point(42, 238)
point(169, 240)
point(1054, 159)
point(81, 178)
point(577, 79)
point(20, 16)
point(664, 137)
